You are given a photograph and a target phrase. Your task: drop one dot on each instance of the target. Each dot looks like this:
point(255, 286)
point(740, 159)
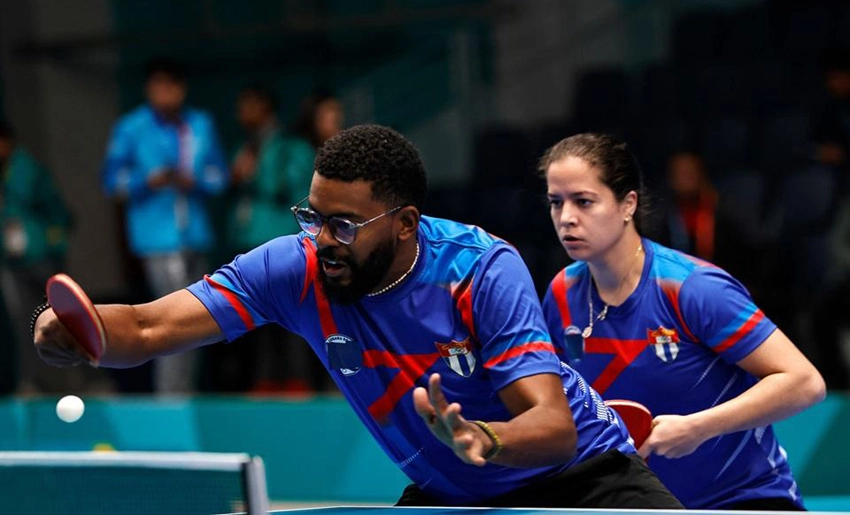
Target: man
point(416, 319)
point(163, 161)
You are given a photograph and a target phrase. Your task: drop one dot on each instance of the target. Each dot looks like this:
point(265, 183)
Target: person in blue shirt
point(431, 329)
point(162, 163)
point(673, 332)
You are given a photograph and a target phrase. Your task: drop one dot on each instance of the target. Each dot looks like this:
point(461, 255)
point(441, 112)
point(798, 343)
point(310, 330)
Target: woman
point(675, 333)
point(320, 118)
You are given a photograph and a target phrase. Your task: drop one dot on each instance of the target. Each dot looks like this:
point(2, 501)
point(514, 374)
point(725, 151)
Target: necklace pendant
point(587, 332)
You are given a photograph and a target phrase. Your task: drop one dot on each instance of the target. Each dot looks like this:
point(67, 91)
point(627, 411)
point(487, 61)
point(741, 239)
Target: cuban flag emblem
point(665, 342)
point(458, 356)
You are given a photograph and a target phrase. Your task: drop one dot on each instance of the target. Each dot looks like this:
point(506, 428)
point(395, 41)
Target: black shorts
point(611, 480)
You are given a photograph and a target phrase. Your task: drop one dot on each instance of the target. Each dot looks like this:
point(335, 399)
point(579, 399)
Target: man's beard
point(364, 278)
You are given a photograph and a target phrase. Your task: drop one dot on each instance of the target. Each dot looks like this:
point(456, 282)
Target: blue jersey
point(467, 311)
point(673, 346)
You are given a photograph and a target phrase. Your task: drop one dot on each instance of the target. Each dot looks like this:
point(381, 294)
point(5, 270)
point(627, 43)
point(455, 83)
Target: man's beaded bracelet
point(497, 442)
point(44, 306)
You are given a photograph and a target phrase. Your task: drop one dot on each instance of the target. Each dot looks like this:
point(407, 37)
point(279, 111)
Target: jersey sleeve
point(720, 313)
point(256, 288)
point(509, 321)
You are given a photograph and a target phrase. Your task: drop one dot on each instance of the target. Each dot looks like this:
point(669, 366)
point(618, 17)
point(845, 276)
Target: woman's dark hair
point(378, 155)
point(620, 170)
point(305, 123)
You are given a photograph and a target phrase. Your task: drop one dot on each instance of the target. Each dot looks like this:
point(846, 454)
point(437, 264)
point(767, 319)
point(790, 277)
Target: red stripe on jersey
point(234, 302)
point(744, 329)
point(462, 294)
point(326, 317)
point(312, 269)
point(311, 277)
point(624, 351)
point(518, 351)
point(559, 291)
point(671, 290)
point(410, 367)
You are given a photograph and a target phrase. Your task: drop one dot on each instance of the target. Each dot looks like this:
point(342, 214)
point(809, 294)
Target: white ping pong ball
point(70, 408)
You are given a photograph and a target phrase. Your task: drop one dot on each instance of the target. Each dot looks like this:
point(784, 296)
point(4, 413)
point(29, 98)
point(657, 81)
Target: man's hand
point(55, 344)
point(468, 441)
point(160, 179)
point(184, 181)
point(244, 166)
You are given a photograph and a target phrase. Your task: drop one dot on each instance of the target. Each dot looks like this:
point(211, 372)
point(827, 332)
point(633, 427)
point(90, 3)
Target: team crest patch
point(344, 354)
point(458, 356)
point(665, 342)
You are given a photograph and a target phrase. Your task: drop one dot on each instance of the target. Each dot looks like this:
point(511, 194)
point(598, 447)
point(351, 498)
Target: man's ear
point(408, 217)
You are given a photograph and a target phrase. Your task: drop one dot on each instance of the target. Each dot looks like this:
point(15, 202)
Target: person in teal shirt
point(270, 172)
point(35, 225)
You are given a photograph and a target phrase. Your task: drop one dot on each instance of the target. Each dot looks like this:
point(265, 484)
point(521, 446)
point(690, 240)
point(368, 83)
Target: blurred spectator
point(831, 124)
point(163, 161)
point(831, 139)
point(270, 173)
point(830, 325)
point(35, 222)
point(720, 228)
point(320, 118)
point(691, 214)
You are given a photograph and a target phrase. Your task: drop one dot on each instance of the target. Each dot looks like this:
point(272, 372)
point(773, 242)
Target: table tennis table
point(392, 510)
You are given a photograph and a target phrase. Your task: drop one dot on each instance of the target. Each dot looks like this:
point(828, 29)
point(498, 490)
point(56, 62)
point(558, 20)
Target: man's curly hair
point(378, 155)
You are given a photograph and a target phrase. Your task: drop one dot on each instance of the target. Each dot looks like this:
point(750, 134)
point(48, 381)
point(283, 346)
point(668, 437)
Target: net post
point(255, 486)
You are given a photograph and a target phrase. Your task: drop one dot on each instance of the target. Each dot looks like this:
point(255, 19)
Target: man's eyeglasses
point(345, 231)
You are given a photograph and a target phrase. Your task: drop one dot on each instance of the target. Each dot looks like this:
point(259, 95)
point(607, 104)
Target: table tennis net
point(130, 483)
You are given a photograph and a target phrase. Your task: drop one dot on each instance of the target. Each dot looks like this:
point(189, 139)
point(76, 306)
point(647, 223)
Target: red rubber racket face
point(77, 313)
point(635, 416)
